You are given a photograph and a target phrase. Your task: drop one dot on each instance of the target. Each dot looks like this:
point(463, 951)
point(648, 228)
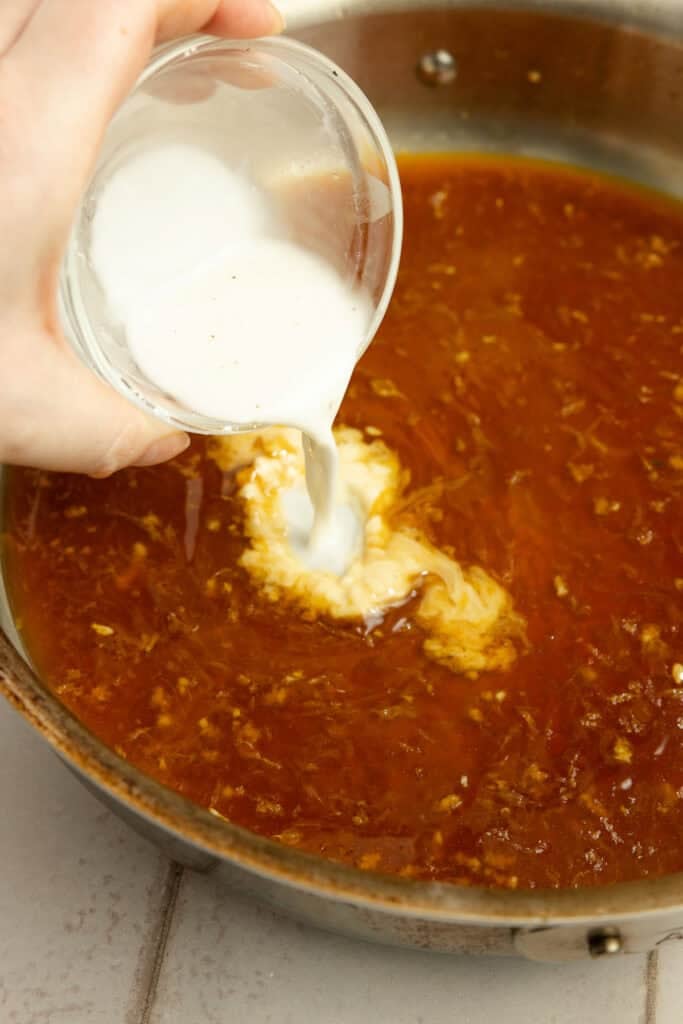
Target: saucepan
point(598, 84)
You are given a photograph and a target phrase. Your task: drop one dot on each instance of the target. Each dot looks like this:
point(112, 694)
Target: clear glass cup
point(299, 130)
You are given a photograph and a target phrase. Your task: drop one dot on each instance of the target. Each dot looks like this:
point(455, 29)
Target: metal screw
point(438, 67)
point(604, 942)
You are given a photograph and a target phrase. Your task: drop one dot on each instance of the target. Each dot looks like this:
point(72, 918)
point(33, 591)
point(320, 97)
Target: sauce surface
point(529, 374)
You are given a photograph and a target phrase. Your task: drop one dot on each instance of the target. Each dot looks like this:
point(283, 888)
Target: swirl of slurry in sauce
point(468, 618)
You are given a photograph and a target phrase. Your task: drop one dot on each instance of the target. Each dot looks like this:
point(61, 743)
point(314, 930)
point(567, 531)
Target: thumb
point(58, 415)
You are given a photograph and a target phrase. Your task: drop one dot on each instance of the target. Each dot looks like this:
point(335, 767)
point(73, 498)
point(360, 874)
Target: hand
point(65, 65)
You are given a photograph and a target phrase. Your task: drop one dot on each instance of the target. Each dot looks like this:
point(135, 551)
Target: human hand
point(65, 65)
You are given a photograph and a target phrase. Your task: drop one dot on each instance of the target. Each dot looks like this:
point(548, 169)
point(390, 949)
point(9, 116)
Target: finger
point(195, 84)
point(236, 19)
point(14, 17)
point(58, 415)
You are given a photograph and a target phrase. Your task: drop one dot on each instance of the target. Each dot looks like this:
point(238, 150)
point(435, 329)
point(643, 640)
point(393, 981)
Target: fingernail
point(162, 450)
point(277, 18)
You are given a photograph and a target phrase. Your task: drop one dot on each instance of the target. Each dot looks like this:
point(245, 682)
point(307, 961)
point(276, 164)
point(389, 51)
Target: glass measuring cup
point(292, 125)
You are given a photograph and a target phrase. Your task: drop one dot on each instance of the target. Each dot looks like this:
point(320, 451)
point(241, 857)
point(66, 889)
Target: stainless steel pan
point(596, 83)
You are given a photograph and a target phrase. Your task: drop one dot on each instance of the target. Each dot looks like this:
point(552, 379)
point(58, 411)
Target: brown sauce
point(532, 359)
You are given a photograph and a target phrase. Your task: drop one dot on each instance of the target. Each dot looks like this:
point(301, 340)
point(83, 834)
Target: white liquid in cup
point(221, 310)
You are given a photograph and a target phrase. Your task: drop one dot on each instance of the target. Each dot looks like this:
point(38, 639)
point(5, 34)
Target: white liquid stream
point(235, 321)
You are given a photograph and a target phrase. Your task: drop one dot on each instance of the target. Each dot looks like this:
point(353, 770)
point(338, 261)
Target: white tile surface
point(78, 893)
point(228, 961)
point(668, 1004)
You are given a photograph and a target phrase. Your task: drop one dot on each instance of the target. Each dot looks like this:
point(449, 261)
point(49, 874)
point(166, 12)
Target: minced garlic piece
point(622, 750)
point(385, 388)
point(581, 471)
point(369, 861)
point(101, 630)
point(468, 618)
point(450, 802)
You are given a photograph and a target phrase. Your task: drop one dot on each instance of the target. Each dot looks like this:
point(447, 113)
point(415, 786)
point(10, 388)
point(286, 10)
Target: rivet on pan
point(438, 67)
point(604, 942)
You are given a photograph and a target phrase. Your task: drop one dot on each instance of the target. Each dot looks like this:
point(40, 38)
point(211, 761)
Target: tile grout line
point(651, 979)
point(172, 884)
